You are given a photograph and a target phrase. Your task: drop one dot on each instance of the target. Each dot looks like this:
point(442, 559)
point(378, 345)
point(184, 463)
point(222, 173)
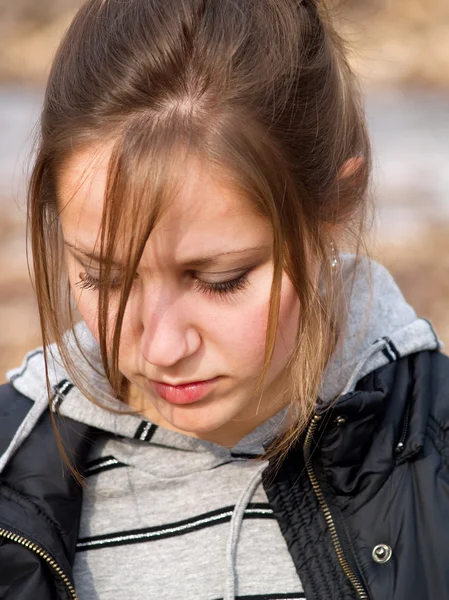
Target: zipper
point(13, 537)
point(356, 584)
point(405, 426)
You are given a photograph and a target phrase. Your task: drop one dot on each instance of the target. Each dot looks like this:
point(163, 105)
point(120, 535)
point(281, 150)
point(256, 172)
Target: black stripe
point(63, 387)
point(56, 403)
point(32, 355)
point(145, 431)
point(149, 534)
point(98, 461)
point(393, 349)
point(61, 390)
point(106, 463)
point(388, 354)
point(244, 455)
point(297, 596)
point(150, 433)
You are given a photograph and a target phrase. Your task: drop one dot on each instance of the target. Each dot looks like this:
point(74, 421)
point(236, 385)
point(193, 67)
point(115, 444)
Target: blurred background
point(399, 48)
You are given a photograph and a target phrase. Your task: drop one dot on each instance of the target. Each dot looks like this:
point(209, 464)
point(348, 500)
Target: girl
point(250, 413)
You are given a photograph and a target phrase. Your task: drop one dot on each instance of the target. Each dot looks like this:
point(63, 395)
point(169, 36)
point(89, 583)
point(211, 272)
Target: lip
point(185, 393)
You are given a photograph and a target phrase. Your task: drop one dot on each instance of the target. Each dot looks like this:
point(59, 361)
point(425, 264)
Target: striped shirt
point(159, 508)
point(156, 521)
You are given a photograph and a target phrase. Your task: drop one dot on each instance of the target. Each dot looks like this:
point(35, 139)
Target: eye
point(223, 288)
point(219, 288)
point(88, 282)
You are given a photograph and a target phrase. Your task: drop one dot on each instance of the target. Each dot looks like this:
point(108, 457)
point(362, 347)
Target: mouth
point(184, 393)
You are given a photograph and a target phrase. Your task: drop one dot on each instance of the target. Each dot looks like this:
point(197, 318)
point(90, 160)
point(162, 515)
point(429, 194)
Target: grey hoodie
point(168, 516)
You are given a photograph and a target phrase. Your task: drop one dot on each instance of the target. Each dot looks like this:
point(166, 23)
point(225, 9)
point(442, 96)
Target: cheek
point(245, 334)
point(86, 301)
point(87, 307)
point(241, 331)
point(287, 326)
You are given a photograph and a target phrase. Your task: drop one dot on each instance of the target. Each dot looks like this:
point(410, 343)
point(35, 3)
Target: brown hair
point(259, 88)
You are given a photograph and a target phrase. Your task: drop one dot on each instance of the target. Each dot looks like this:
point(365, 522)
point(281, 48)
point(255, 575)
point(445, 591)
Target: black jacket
point(362, 501)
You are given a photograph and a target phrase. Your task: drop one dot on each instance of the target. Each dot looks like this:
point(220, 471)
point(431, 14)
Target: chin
point(196, 427)
point(195, 423)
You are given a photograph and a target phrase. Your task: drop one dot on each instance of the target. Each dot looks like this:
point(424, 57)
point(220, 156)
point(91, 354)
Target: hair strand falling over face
point(259, 89)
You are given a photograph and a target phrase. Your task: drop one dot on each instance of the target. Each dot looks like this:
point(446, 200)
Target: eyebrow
point(193, 262)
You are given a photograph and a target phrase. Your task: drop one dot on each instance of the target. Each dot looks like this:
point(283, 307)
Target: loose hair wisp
point(262, 91)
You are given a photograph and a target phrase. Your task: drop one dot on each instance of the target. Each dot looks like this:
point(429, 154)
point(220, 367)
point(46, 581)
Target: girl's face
point(198, 308)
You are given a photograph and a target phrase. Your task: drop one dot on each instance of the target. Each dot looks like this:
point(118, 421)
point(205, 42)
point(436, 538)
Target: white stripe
point(56, 400)
point(142, 536)
point(59, 394)
point(64, 387)
point(390, 352)
point(106, 463)
point(146, 429)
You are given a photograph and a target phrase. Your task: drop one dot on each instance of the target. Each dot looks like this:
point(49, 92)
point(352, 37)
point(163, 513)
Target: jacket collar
point(40, 494)
point(382, 423)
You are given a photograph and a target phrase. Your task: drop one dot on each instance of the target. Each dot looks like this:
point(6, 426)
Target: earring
point(334, 258)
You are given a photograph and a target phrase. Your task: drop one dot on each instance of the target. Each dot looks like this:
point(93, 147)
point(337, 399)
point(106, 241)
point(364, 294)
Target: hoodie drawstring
point(377, 347)
point(245, 496)
point(234, 530)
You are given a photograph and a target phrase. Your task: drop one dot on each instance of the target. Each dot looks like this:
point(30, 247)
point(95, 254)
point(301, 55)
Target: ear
point(350, 167)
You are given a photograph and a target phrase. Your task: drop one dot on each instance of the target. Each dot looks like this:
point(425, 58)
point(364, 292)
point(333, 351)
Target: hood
point(380, 328)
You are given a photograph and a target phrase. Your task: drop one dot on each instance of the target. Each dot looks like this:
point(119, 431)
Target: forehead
point(206, 207)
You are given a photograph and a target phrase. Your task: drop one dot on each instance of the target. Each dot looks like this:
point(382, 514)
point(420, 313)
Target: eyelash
point(223, 288)
point(87, 282)
point(220, 288)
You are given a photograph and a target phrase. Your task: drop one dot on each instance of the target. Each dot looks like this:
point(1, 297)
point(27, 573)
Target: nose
point(168, 334)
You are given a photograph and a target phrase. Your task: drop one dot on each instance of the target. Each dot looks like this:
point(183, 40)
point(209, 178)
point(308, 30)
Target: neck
point(228, 436)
